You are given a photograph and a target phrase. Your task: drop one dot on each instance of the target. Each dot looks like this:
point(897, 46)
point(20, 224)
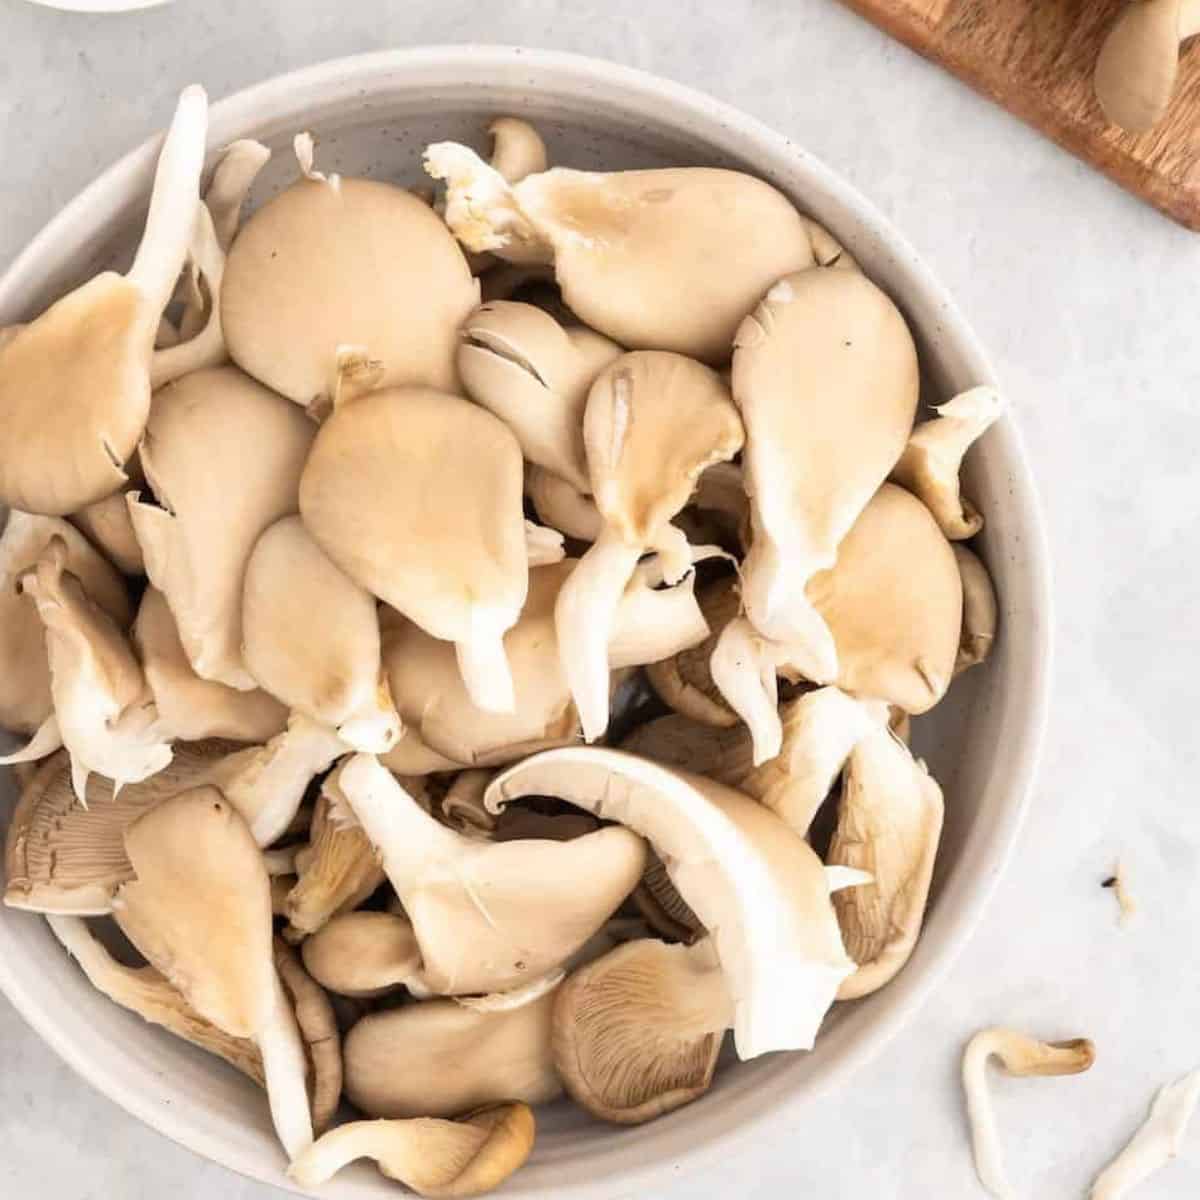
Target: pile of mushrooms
point(456, 704)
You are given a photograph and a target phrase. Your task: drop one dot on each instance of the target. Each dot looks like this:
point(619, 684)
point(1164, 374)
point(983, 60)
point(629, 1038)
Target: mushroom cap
point(189, 707)
point(223, 456)
point(199, 908)
point(439, 1058)
point(354, 262)
point(25, 700)
point(363, 954)
point(416, 495)
point(329, 669)
point(654, 421)
point(637, 1032)
point(561, 506)
point(84, 360)
point(534, 374)
point(981, 610)
point(893, 603)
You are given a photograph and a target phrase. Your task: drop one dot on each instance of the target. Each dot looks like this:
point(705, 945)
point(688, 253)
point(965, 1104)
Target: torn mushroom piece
point(980, 613)
point(670, 259)
point(304, 283)
point(521, 364)
point(199, 909)
point(442, 1057)
point(754, 884)
point(654, 422)
point(1018, 1055)
point(889, 825)
point(223, 458)
point(87, 358)
point(310, 636)
point(637, 1032)
point(465, 1157)
point(363, 954)
point(932, 461)
point(416, 495)
point(479, 925)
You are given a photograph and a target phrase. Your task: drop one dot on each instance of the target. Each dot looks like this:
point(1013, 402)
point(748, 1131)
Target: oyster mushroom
point(754, 884)
point(306, 279)
point(440, 1057)
point(980, 613)
point(654, 422)
point(363, 954)
point(412, 756)
point(517, 148)
point(827, 250)
point(561, 506)
point(637, 1032)
point(932, 460)
point(331, 671)
point(191, 708)
point(416, 495)
point(481, 928)
point(664, 259)
point(543, 546)
point(466, 1157)
point(231, 181)
point(521, 364)
point(87, 358)
point(106, 524)
point(463, 808)
point(223, 456)
point(1139, 61)
point(889, 824)
point(199, 910)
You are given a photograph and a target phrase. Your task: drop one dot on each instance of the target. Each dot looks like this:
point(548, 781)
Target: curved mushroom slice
point(416, 495)
point(413, 757)
point(103, 706)
point(561, 506)
point(335, 262)
point(637, 1032)
point(145, 991)
point(889, 824)
point(363, 954)
point(980, 613)
point(932, 460)
point(756, 886)
point(479, 925)
point(25, 700)
point(654, 622)
point(189, 707)
point(107, 525)
point(440, 1057)
point(521, 364)
point(654, 422)
point(86, 359)
point(223, 456)
point(894, 604)
point(670, 259)
point(231, 181)
point(199, 909)
point(517, 148)
point(466, 1157)
point(329, 669)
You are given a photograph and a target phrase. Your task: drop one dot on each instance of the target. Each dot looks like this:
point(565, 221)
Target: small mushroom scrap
point(75, 382)
point(480, 926)
point(980, 610)
point(562, 506)
point(363, 954)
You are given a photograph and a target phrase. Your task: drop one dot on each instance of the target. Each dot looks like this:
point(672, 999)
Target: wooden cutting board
point(1035, 58)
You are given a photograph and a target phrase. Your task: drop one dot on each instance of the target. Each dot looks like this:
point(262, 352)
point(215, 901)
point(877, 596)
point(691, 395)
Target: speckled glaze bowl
point(373, 114)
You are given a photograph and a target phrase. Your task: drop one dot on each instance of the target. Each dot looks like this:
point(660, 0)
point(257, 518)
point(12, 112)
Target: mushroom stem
point(286, 1067)
point(173, 202)
point(230, 185)
point(484, 664)
point(743, 668)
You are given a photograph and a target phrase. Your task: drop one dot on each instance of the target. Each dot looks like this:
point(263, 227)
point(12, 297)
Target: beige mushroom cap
point(334, 263)
point(224, 457)
point(439, 1058)
point(561, 506)
point(893, 603)
point(363, 954)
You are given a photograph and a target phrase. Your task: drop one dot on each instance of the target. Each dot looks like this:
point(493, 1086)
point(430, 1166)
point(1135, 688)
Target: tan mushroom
point(637, 1032)
point(416, 495)
point(306, 279)
point(329, 669)
point(107, 525)
point(664, 259)
point(827, 250)
point(561, 506)
point(466, 1157)
point(230, 184)
point(932, 460)
point(1139, 61)
point(439, 1057)
point(517, 148)
point(412, 756)
point(223, 456)
point(980, 613)
point(85, 362)
point(363, 954)
point(463, 808)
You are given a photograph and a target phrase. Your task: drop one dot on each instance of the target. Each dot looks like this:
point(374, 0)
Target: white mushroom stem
point(483, 662)
point(1157, 1141)
point(285, 1066)
point(173, 202)
point(231, 182)
point(743, 667)
point(1018, 1055)
point(544, 546)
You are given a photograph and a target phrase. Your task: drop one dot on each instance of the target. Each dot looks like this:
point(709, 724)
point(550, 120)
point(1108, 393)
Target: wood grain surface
point(1035, 58)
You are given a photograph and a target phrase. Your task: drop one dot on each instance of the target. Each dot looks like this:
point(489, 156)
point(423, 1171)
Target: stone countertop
point(1086, 300)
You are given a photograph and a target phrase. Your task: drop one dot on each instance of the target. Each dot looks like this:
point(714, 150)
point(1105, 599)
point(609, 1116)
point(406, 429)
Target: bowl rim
point(239, 110)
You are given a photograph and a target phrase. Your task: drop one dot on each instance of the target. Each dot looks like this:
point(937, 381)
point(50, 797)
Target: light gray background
point(1088, 302)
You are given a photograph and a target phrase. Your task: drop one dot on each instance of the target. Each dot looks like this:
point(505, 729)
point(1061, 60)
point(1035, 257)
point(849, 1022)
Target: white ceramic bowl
point(373, 114)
